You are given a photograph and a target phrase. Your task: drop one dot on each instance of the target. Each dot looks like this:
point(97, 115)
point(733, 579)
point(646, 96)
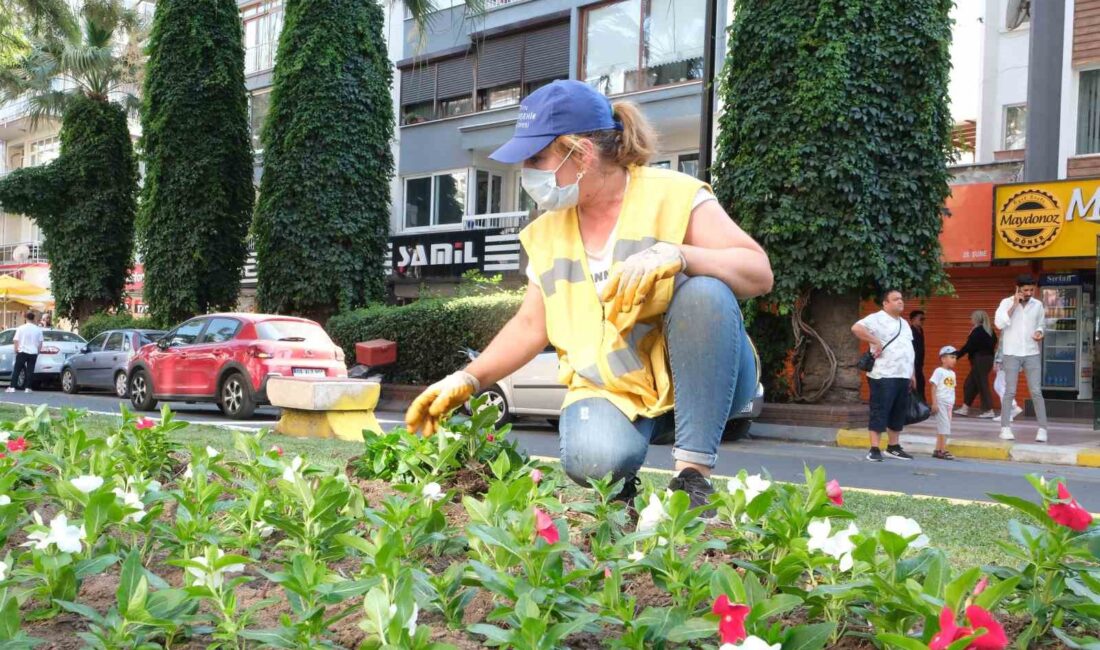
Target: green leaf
point(995, 593)
point(102, 509)
point(691, 630)
point(899, 641)
point(132, 572)
point(94, 566)
point(276, 638)
point(1029, 508)
point(9, 618)
point(809, 637)
point(937, 573)
point(81, 610)
point(491, 633)
point(960, 587)
point(774, 606)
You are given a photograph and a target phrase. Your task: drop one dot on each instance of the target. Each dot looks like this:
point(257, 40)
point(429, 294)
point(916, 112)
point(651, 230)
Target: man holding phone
point(1020, 318)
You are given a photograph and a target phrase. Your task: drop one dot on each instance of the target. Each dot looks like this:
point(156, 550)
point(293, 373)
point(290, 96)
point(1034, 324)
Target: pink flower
point(19, 444)
point(731, 621)
point(277, 449)
point(545, 528)
point(1071, 515)
point(994, 637)
point(833, 491)
point(949, 632)
point(144, 423)
point(490, 437)
point(606, 571)
point(982, 584)
point(536, 476)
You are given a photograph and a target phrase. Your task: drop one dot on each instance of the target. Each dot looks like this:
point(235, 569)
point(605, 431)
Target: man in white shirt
point(28, 341)
point(892, 378)
point(1020, 319)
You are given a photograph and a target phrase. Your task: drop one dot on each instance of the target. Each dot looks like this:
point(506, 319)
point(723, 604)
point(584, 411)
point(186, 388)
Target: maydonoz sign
point(1043, 220)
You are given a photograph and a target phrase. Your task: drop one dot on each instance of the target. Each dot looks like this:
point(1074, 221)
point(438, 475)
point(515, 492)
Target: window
point(1088, 113)
point(145, 338)
point(186, 334)
point(435, 200)
point(295, 331)
point(632, 45)
point(1015, 136)
point(456, 106)
point(499, 97)
point(689, 164)
point(61, 336)
point(524, 203)
point(262, 24)
point(661, 164)
point(258, 106)
point(114, 343)
point(96, 344)
point(417, 113)
point(220, 330)
point(487, 193)
point(43, 151)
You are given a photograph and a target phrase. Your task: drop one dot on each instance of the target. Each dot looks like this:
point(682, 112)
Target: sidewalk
point(1071, 442)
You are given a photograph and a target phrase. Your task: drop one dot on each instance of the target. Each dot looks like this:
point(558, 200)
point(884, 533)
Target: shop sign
point(1060, 280)
point(449, 254)
point(1046, 220)
point(965, 237)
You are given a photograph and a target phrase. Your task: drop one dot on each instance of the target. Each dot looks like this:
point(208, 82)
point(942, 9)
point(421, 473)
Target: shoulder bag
point(866, 362)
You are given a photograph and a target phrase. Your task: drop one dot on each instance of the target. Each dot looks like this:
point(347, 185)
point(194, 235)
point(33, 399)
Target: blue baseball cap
point(559, 108)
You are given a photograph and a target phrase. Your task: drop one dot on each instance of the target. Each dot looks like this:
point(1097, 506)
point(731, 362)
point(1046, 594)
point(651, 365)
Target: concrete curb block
point(983, 449)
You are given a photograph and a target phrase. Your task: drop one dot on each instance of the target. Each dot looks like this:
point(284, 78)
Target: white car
point(533, 390)
point(57, 347)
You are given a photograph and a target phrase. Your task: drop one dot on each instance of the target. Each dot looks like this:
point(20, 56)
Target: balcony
point(29, 252)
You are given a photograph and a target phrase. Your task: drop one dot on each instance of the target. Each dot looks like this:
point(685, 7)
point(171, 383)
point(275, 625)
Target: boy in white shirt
point(943, 399)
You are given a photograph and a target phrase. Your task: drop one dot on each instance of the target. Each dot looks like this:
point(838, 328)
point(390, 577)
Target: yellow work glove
point(439, 399)
point(633, 281)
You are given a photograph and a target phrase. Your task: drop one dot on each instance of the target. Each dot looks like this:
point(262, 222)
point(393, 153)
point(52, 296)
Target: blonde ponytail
point(633, 145)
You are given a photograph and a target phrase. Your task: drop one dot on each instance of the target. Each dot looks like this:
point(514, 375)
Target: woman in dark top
point(981, 346)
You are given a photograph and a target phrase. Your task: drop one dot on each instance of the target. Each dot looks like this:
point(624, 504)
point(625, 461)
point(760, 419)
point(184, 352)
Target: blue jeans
point(713, 378)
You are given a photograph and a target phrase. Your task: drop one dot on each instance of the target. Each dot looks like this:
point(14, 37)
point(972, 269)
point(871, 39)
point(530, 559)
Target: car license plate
point(309, 372)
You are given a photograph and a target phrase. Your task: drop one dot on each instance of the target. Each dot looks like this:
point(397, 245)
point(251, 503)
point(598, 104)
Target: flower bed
point(129, 541)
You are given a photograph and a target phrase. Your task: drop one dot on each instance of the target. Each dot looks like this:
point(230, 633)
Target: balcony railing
point(496, 4)
point(502, 220)
point(28, 252)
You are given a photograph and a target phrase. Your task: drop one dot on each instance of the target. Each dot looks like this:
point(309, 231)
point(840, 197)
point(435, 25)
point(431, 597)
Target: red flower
point(982, 584)
point(3, 455)
point(545, 528)
point(949, 631)
point(277, 449)
point(490, 437)
point(1071, 515)
point(994, 637)
point(144, 423)
point(833, 491)
point(731, 621)
point(606, 571)
point(19, 444)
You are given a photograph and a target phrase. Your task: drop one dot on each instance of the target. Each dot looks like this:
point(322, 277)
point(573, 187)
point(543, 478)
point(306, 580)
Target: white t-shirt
point(944, 381)
point(897, 359)
point(29, 337)
point(599, 262)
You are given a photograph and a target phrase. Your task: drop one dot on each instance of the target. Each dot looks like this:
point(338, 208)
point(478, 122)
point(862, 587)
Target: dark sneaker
point(698, 489)
point(629, 491)
point(897, 453)
point(875, 455)
point(943, 455)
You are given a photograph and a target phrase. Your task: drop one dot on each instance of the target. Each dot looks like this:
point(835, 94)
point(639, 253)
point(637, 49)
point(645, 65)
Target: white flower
point(5, 500)
point(819, 534)
point(187, 473)
point(87, 483)
point(67, 538)
point(412, 619)
point(636, 556)
point(211, 452)
point(752, 486)
point(752, 643)
point(291, 471)
point(4, 435)
point(131, 499)
point(3, 570)
point(266, 530)
point(433, 492)
point(449, 435)
point(651, 515)
point(38, 539)
point(838, 546)
point(907, 528)
point(213, 579)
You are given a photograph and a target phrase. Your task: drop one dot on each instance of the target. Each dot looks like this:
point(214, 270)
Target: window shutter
point(500, 61)
point(456, 77)
point(418, 84)
point(546, 54)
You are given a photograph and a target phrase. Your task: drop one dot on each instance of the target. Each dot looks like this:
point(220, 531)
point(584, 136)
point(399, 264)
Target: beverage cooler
point(1067, 342)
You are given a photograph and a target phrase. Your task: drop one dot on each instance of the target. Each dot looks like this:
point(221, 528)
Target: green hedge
point(103, 321)
point(429, 333)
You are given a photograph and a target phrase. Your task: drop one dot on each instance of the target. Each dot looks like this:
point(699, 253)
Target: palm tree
point(94, 52)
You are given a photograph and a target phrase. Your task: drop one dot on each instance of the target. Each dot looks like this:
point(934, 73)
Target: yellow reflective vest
point(621, 357)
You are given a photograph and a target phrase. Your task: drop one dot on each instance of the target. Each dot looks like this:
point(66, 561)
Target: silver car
point(104, 361)
point(534, 390)
point(57, 347)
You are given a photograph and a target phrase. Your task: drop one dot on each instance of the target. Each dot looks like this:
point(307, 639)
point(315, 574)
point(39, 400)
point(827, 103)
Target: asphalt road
point(963, 479)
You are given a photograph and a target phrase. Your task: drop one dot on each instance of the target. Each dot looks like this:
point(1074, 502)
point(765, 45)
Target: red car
point(228, 358)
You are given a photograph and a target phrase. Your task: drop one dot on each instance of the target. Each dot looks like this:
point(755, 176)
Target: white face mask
point(542, 186)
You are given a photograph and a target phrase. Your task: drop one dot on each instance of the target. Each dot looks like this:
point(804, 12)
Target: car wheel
point(496, 398)
point(68, 381)
point(235, 397)
point(736, 430)
point(141, 391)
point(122, 387)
